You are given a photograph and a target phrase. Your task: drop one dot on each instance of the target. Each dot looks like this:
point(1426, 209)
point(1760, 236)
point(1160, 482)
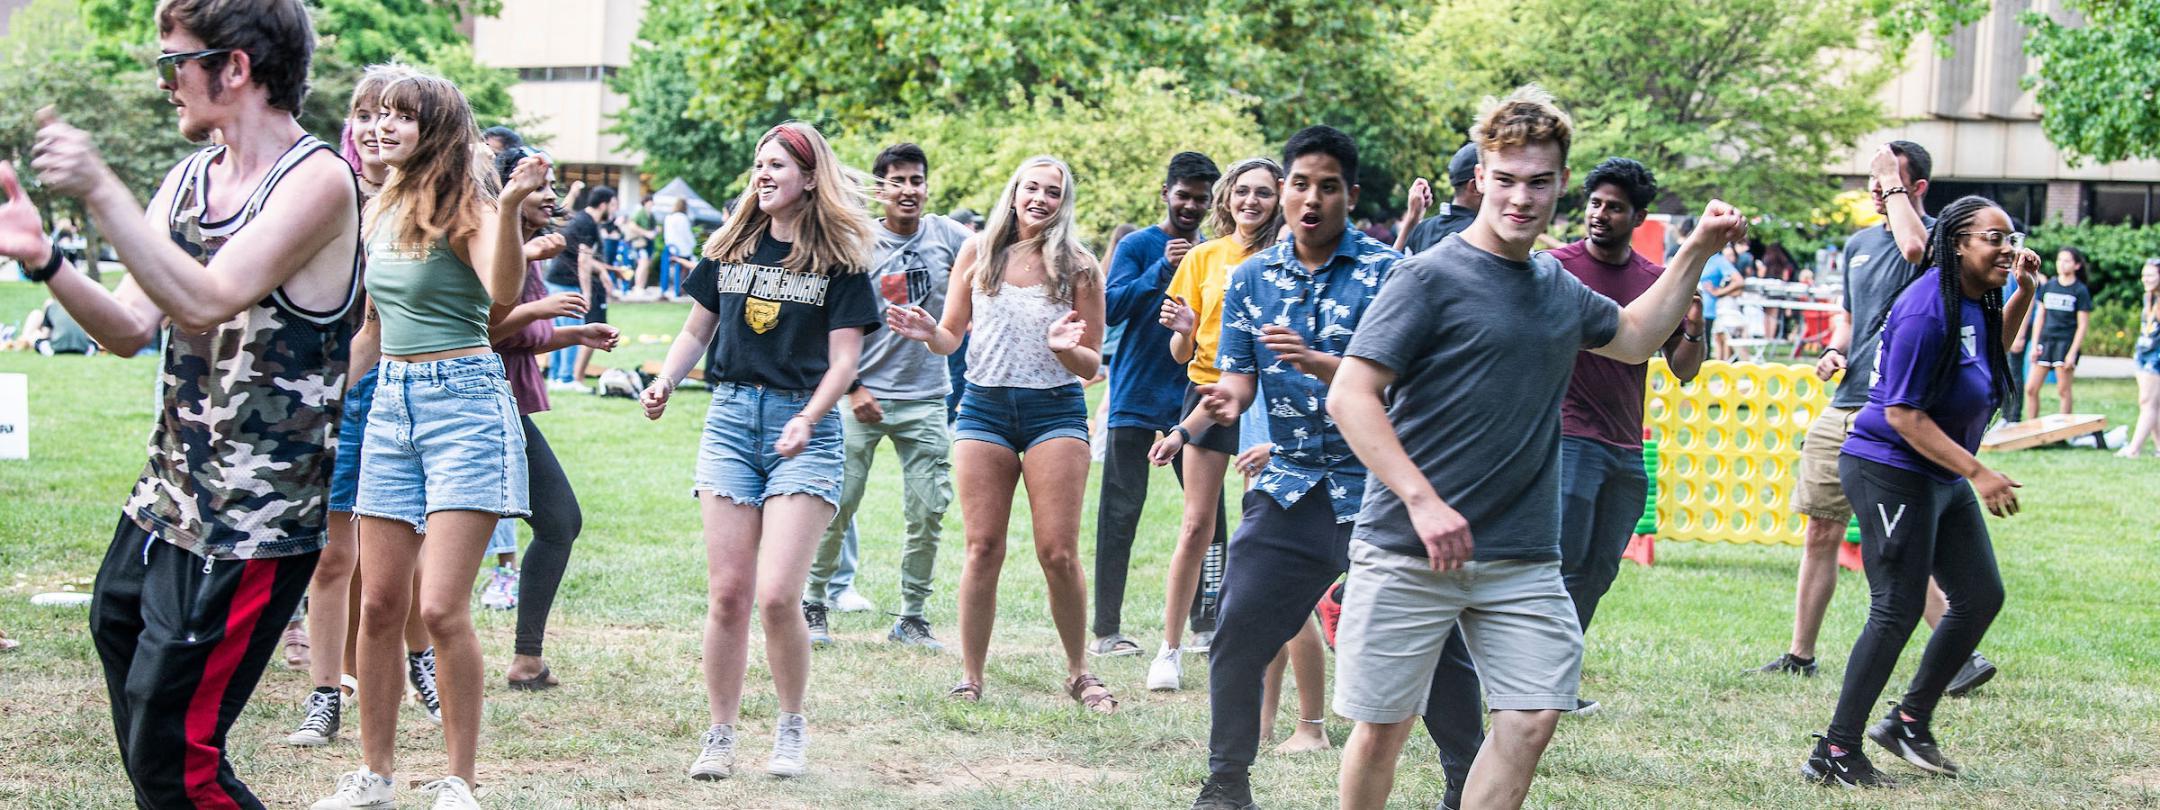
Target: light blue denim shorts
point(736, 459)
point(443, 436)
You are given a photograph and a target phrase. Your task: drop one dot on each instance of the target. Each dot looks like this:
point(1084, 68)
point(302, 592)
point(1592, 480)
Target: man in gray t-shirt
point(900, 396)
point(1450, 393)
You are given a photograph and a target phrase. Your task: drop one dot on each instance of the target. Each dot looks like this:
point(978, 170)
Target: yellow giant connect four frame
point(1729, 449)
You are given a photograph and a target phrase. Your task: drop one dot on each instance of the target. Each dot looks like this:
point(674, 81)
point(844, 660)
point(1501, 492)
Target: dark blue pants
point(1276, 567)
point(1602, 489)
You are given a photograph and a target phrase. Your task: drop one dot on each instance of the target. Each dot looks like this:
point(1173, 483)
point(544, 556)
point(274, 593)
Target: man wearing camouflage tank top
point(243, 271)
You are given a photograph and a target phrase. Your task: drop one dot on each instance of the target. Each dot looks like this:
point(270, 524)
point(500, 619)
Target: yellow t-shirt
point(1201, 279)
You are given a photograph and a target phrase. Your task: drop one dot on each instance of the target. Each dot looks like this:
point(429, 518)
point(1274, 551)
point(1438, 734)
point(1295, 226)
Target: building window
point(579, 73)
point(2025, 202)
point(2121, 203)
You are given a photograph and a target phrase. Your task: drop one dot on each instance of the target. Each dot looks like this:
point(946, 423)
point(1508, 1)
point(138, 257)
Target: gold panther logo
point(761, 314)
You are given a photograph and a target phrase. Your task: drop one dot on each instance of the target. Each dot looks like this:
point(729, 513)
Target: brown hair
point(446, 187)
point(1525, 116)
point(276, 35)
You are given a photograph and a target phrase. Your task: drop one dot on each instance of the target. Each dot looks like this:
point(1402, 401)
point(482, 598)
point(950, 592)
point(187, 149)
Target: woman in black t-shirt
point(2062, 311)
point(782, 306)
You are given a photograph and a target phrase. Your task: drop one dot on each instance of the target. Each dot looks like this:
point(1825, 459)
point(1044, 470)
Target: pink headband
point(797, 144)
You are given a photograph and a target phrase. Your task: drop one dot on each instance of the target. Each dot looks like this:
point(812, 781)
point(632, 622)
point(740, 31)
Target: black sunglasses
point(168, 65)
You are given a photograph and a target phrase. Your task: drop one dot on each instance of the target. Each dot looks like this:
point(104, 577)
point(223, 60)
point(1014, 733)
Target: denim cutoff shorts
point(736, 459)
point(352, 430)
point(1017, 419)
point(443, 436)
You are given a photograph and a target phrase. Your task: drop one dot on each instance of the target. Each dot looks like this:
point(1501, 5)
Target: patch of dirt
point(933, 779)
point(2146, 779)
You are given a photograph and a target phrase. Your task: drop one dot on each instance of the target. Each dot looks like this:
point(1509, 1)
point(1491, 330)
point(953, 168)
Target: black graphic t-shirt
point(773, 320)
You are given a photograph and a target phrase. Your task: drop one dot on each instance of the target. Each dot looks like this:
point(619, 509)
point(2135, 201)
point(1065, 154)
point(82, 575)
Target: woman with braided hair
point(1942, 373)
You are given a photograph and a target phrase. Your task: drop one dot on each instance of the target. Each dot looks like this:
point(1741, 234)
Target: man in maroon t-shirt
point(1602, 482)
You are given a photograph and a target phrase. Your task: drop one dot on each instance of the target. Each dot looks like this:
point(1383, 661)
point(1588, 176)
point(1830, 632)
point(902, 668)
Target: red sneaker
point(1330, 610)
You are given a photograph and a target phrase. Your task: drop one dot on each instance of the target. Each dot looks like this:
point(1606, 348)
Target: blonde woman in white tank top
point(1034, 297)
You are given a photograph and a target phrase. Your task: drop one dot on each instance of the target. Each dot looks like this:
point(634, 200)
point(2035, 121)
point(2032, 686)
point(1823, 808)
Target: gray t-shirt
point(906, 270)
point(1874, 272)
point(1482, 348)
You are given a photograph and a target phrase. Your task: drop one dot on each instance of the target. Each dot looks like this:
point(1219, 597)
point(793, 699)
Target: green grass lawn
point(2072, 722)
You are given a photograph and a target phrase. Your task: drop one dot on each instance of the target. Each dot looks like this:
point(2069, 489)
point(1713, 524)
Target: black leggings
point(1913, 527)
point(555, 523)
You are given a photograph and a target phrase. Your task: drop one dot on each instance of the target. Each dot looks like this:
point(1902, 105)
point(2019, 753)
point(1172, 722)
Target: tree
point(658, 120)
point(2098, 92)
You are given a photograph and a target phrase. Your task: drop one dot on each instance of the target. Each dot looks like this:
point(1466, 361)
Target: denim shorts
point(1017, 419)
point(736, 459)
point(443, 436)
point(352, 431)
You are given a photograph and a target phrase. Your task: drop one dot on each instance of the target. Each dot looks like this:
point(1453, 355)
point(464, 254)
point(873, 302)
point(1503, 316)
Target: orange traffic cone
point(1641, 548)
point(1848, 556)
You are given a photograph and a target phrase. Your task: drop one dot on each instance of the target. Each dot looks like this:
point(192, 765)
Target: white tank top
point(1009, 346)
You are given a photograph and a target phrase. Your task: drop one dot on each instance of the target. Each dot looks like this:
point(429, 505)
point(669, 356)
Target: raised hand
point(1065, 332)
point(1177, 315)
point(531, 173)
point(1175, 251)
point(1420, 199)
point(543, 247)
point(2027, 267)
point(64, 158)
point(1721, 223)
point(22, 231)
point(655, 398)
point(912, 322)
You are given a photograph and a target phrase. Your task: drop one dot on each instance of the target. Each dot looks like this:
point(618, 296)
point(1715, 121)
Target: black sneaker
point(1912, 742)
point(1844, 769)
point(1225, 793)
point(820, 634)
point(321, 724)
point(913, 631)
point(1787, 664)
point(420, 673)
point(1977, 670)
point(1585, 708)
point(1452, 799)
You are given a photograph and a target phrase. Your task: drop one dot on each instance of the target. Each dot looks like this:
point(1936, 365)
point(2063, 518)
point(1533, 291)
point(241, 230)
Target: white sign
point(14, 416)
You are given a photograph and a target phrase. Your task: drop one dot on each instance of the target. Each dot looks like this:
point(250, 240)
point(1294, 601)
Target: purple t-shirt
point(1905, 368)
point(1605, 396)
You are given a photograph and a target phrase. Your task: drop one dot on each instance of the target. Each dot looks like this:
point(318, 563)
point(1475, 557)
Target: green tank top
point(427, 299)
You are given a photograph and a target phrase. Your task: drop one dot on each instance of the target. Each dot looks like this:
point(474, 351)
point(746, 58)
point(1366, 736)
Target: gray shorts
point(1397, 613)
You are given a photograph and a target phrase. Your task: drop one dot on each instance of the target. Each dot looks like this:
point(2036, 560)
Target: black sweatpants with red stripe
point(183, 640)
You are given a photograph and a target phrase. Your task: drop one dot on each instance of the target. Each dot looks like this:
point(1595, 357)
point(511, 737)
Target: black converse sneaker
point(1830, 765)
point(321, 724)
point(1910, 740)
point(814, 615)
point(420, 672)
point(1226, 793)
point(1787, 664)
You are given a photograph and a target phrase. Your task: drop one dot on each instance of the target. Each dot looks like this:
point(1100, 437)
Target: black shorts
point(1219, 438)
point(2052, 353)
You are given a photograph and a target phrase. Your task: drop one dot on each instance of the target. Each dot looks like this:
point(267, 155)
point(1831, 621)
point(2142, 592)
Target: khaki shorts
point(1515, 616)
point(1819, 494)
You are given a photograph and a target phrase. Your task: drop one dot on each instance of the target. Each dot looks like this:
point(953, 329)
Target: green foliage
point(2098, 93)
point(658, 122)
point(1117, 148)
point(2117, 252)
point(2113, 330)
point(1898, 21)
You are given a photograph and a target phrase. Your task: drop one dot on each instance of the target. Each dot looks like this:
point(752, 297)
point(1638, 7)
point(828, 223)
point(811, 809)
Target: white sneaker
point(851, 602)
point(789, 740)
point(717, 760)
point(1168, 669)
point(451, 793)
point(358, 790)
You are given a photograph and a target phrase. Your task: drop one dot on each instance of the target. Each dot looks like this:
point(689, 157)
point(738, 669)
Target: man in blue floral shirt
point(1287, 316)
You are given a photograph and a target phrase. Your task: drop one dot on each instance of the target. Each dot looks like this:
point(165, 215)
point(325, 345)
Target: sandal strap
point(1079, 691)
point(965, 689)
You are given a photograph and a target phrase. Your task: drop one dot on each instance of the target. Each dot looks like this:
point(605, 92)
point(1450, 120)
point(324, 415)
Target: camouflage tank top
point(241, 454)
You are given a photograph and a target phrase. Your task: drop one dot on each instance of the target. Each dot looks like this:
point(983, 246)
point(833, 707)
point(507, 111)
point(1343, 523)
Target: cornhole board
point(652, 369)
point(2048, 429)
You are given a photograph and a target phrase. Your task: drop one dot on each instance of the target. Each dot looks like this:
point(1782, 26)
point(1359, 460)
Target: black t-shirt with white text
point(773, 321)
point(2063, 302)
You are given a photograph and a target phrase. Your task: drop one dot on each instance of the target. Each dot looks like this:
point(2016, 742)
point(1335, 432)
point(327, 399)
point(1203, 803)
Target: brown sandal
point(1099, 700)
point(967, 691)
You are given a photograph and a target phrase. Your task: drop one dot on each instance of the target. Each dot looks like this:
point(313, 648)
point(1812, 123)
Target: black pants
point(555, 523)
point(1277, 567)
point(1913, 527)
point(1117, 519)
point(1602, 489)
point(183, 641)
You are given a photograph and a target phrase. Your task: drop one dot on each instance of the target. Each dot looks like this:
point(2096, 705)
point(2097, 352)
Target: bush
point(2113, 330)
point(2117, 252)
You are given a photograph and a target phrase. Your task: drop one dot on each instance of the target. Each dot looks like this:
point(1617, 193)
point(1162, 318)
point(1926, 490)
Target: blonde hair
point(1224, 225)
point(1065, 260)
point(445, 190)
point(1525, 116)
point(834, 234)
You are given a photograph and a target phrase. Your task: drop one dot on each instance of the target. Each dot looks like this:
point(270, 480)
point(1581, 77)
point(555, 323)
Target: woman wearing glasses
point(1911, 475)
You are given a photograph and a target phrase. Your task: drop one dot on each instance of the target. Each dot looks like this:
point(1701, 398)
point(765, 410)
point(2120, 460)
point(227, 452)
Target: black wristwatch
point(52, 265)
point(1182, 433)
point(1690, 338)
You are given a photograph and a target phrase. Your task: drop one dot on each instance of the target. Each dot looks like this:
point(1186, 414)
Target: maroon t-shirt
point(1605, 396)
point(526, 384)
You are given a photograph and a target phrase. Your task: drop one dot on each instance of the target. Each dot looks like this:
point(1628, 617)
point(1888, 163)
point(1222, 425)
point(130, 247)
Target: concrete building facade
point(563, 52)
